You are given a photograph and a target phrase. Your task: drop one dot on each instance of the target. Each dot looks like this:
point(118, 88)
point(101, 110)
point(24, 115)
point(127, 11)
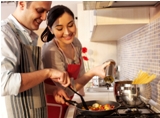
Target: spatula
point(83, 102)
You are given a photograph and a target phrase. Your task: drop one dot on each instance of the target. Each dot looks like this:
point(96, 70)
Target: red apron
point(56, 110)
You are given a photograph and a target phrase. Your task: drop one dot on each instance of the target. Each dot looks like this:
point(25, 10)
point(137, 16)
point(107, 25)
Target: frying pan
point(97, 113)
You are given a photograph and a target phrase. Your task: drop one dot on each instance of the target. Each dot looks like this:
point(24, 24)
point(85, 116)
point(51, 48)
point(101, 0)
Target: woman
point(63, 51)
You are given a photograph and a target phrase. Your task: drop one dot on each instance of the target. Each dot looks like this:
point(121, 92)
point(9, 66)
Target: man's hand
point(59, 95)
point(60, 76)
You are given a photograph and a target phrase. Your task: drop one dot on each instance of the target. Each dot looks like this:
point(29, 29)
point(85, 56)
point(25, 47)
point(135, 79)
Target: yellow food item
point(107, 107)
point(96, 105)
point(143, 78)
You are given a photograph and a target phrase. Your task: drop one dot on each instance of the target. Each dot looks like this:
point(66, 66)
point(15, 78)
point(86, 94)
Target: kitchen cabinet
point(85, 22)
point(110, 24)
point(91, 5)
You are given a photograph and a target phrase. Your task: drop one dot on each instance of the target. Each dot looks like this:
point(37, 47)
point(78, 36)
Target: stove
point(143, 111)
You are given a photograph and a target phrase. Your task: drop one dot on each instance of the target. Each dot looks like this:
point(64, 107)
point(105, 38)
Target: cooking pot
point(127, 93)
point(97, 113)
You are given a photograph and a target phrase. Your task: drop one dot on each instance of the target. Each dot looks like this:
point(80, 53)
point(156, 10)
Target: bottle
point(110, 72)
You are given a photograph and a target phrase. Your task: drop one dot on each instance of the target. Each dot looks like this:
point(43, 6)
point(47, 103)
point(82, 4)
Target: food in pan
point(99, 107)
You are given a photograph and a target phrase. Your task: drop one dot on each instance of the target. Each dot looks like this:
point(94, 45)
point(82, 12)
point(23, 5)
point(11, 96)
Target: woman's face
point(64, 29)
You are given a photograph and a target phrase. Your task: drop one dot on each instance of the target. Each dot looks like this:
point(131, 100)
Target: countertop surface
point(89, 96)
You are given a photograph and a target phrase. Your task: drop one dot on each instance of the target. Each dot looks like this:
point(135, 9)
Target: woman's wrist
point(91, 73)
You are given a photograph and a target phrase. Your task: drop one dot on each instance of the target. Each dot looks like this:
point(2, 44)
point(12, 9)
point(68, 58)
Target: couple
point(25, 80)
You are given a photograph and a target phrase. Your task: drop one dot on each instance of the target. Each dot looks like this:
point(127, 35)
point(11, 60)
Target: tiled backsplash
point(140, 50)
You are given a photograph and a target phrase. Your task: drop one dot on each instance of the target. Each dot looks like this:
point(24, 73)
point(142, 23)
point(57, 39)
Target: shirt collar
point(22, 28)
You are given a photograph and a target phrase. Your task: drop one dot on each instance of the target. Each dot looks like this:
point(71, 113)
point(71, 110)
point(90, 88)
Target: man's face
point(35, 13)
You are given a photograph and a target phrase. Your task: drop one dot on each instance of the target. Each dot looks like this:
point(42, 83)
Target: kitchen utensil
point(110, 72)
point(74, 103)
point(83, 102)
point(98, 113)
point(127, 93)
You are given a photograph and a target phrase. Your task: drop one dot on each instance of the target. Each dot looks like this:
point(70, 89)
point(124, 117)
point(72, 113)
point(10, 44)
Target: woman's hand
point(96, 71)
point(99, 70)
point(60, 76)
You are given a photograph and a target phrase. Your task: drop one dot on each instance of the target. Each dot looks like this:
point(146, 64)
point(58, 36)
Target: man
point(22, 87)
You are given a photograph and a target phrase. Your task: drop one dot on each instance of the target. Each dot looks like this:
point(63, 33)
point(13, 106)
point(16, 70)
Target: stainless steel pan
point(127, 93)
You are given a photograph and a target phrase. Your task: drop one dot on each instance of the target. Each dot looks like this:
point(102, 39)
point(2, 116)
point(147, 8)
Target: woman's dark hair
point(54, 13)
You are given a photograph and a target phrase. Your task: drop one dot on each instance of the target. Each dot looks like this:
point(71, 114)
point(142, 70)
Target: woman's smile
point(68, 37)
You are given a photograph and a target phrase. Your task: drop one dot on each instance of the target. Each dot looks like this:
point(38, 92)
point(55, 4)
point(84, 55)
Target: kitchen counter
point(89, 96)
point(99, 89)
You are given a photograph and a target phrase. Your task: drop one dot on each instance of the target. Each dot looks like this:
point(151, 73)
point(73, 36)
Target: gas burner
point(144, 111)
point(133, 111)
point(146, 116)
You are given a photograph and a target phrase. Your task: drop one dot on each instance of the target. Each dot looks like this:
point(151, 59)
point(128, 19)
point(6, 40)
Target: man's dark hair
point(28, 3)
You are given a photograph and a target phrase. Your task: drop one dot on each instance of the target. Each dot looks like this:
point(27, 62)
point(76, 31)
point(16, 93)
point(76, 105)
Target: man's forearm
point(29, 80)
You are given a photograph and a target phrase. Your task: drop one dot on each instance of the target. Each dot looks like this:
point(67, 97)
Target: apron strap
point(30, 103)
point(63, 52)
point(14, 29)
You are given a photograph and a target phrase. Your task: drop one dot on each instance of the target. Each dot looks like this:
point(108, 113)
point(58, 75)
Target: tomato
point(101, 108)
